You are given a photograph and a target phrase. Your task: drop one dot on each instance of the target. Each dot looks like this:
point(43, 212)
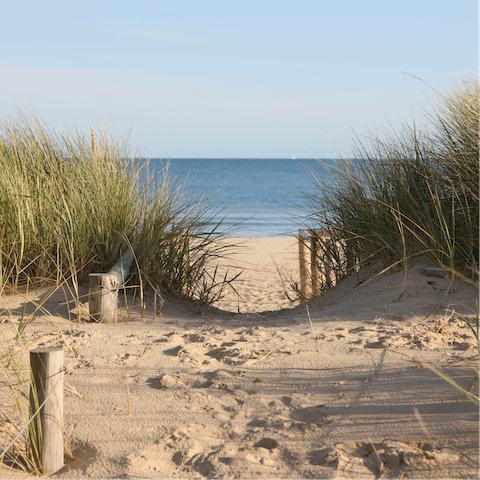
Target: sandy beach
point(254, 389)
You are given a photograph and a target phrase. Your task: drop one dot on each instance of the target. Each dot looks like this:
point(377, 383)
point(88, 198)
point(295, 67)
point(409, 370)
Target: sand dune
point(259, 394)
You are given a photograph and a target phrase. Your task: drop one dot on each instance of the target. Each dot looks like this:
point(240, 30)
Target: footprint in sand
point(315, 415)
point(82, 454)
point(203, 449)
point(367, 460)
point(218, 379)
point(227, 352)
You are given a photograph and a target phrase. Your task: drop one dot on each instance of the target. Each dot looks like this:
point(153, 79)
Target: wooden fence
point(323, 261)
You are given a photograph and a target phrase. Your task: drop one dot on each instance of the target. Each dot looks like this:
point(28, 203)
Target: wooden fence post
point(103, 290)
point(327, 262)
point(314, 243)
point(103, 297)
point(46, 430)
point(304, 285)
point(320, 263)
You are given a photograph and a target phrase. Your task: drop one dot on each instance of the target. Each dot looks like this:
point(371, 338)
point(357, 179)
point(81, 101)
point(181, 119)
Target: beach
point(260, 387)
point(265, 267)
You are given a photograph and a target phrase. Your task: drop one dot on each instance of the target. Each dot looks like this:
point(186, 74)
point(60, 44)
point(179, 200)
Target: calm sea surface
point(258, 195)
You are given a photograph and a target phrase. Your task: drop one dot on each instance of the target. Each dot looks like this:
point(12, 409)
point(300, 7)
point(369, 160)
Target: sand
point(260, 394)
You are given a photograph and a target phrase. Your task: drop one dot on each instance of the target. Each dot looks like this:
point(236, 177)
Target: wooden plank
point(121, 269)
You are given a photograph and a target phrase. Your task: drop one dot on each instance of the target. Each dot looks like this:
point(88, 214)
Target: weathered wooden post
point(320, 244)
point(46, 430)
point(327, 261)
point(103, 290)
point(103, 297)
point(314, 242)
point(304, 285)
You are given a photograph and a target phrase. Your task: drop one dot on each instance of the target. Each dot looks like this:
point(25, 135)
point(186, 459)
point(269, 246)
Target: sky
point(233, 79)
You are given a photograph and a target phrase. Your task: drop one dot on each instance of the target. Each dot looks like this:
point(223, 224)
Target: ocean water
point(259, 197)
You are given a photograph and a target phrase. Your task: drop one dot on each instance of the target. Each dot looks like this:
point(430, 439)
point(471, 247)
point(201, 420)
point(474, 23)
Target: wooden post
point(46, 430)
point(320, 243)
point(103, 290)
point(103, 297)
point(314, 263)
point(327, 262)
point(302, 238)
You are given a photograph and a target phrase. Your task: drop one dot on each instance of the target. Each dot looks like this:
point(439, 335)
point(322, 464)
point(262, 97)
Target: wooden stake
point(103, 297)
point(302, 237)
point(46, 430)
point(103, 290)
point(314, 263)
point(349, 244)
point(327, 261)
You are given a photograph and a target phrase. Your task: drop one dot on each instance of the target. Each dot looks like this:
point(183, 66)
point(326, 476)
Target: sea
point(255, 197)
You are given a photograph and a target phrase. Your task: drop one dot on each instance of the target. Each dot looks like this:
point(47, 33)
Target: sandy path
point(261, 395)
point(259, 261)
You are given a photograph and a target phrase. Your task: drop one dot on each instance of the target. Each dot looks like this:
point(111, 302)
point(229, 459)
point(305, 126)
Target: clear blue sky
point(226, 79)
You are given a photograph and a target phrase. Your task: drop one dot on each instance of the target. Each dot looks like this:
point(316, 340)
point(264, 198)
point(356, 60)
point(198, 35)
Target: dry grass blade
point(430, 434)
point(271, 351)
point(473, 398)
point(380, 465)
point(72, 389)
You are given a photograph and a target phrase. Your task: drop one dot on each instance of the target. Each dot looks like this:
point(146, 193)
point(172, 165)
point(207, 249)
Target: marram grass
point(409, 192)
point(71, 203)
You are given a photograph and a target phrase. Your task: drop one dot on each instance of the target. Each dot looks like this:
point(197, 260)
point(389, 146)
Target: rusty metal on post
point(103, 290)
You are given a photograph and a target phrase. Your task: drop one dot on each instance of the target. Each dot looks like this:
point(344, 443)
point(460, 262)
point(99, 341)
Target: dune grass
point(409, 192)
point(71, 203)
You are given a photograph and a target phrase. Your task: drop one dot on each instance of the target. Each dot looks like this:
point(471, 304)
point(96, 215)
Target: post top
point(46, 349)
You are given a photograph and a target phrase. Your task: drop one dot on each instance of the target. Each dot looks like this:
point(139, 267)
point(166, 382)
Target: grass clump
point(71, 203)
point(409, 192)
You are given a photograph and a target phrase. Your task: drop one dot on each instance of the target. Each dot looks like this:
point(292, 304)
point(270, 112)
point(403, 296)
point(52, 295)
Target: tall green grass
point(409, 192)
point(72, 202)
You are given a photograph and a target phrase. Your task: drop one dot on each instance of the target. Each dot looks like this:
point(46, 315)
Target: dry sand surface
point(260, 394)
point(261, 263)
